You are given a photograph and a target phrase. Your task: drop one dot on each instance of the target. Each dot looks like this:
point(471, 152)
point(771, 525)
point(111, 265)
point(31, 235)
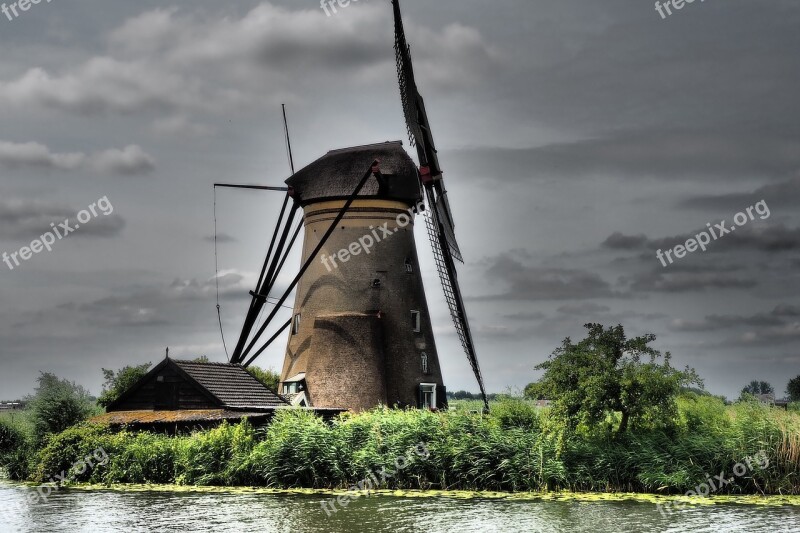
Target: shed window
point(416, 322)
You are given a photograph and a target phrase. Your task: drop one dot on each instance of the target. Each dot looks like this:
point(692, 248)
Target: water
point(106, 511)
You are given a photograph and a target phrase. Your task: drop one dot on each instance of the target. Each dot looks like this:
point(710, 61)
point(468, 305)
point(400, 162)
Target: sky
point(577, 139)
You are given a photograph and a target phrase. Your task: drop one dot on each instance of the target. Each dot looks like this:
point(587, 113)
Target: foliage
point(269, 378)
point(516, 448)
point(56, 405)
point(116, 383)
point(756, 387)
point(793, 389)
point(604, 374)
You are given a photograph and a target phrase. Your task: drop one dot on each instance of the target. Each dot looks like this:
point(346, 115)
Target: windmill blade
point(420, 134)
point(439, 217)
point(452, 291)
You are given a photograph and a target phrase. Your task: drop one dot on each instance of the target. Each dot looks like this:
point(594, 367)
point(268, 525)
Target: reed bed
point(516, 448)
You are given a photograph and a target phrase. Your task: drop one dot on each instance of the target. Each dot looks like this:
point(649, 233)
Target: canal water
point(236, 511)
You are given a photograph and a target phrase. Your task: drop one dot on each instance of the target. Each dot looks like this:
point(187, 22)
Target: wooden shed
point(184, 395)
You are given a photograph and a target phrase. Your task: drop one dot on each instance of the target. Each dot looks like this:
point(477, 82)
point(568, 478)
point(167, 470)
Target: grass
point(517, 448)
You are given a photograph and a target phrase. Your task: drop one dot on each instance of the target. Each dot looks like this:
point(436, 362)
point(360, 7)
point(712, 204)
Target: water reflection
point(107, 511)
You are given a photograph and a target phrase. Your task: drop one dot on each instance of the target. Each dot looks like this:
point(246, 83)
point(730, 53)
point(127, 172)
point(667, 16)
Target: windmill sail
point(439, 218)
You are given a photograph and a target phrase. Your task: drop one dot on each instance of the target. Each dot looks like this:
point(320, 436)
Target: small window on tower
point(409, 266)
point(424, 358)
point(416, 322)
point(427, 395)
point(296, 324)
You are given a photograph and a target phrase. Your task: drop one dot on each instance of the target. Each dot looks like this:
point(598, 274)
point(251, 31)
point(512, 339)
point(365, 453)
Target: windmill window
point(409, 266)
point(376, 283)
point(416, 322)
point(296, 324)
point(424, 358)
point(427, 395)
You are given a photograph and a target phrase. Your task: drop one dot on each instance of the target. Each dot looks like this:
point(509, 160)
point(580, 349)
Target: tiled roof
point(121, 418)
point(337, 173)
point(232, 384)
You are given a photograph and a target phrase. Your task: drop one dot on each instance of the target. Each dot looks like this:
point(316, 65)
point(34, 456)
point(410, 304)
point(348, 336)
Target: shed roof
point(121, 418)
point(234, 386)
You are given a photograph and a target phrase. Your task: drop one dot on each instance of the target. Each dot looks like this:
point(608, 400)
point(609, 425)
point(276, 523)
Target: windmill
point(360, 331)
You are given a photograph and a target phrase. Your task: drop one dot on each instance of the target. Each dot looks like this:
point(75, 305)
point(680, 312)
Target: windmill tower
point(360, 333)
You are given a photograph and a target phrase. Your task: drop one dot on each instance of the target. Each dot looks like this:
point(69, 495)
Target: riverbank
point(709, 448)
point(578, 497)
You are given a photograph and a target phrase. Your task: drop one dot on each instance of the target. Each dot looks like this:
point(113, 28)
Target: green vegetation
point(622, 419)
point(269, 378)
point(57, 405)
point(604, 374)
point(756, 387)
point(116, 383)
point(516, 448)
point(793, 389)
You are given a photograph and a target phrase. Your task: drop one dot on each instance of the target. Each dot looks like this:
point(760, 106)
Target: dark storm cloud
point(710, 155)
point(526, 282)
point(783, 194)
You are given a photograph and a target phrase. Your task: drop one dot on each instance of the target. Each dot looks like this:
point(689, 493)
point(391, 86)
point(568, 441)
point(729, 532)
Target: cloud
point(677, 281)
point(543, 283)
point(784, 194)
point(158, 62)
point(618, 241)
point(131, 160)
point(26, 219)
point(632, 154)
point(221, 238)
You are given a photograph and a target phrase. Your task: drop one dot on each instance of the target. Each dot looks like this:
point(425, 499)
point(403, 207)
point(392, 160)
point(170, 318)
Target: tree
point(793, 389)
point(604, 374)
point(116, 383)
point(757, 387)
point(56, 405)
point(269, 378)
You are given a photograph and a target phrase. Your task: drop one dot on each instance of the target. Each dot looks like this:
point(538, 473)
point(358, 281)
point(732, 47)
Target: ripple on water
point(106, 511)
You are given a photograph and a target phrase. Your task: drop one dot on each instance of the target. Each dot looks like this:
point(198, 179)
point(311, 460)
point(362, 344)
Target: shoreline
point(776, 500)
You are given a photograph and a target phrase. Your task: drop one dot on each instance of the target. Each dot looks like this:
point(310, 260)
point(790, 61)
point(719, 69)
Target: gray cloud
point(27, 219)
point(130, 160)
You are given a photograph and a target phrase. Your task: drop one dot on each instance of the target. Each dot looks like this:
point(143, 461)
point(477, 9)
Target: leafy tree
point(793, 389)
point(201, 359)
point(56, 405)
point(757, 387)
point(605, 374)
point(269, 378)
point(116, 383)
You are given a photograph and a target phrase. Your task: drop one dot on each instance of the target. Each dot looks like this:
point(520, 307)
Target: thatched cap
point(336, 175)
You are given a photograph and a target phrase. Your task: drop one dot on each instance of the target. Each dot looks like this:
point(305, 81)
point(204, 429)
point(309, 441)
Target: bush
point(57, 405)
